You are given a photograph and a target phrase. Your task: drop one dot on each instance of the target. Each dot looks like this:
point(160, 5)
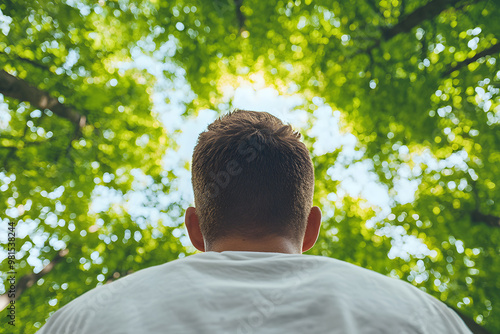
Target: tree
point(87, 122)
point(415, 81)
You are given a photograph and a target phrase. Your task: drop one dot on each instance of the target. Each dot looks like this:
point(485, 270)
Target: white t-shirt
point(255, 292)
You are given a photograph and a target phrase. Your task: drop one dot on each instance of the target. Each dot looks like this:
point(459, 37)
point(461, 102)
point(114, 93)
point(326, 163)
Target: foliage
point(416, 82)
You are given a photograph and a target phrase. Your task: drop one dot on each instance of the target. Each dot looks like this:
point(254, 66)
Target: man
point(253, 183)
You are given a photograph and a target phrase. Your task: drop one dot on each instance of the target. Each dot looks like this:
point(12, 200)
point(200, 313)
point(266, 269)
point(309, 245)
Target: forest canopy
point(94, 95)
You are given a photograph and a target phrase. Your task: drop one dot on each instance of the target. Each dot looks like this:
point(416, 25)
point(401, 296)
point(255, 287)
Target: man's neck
point(270, 244)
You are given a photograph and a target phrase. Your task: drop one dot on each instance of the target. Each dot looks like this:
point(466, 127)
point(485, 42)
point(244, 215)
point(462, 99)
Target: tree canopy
point(415, 82)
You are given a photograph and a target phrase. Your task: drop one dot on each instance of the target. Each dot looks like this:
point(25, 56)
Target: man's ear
point(193, 228)
point(312, 228)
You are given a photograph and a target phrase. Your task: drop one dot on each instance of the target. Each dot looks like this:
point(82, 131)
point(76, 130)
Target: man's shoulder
point(363, 279)
point(394, 297)
point(90, 306)
point(141, 277)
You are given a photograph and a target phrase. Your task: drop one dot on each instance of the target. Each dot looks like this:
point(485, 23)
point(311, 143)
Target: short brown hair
point(252, 177)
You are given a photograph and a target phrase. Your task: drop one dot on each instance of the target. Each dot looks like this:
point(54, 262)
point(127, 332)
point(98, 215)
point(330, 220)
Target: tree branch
point(21, 90)
point(490, 220)
point(424, 13)
point(491, 50)
point(413, 19)
point(373, 6)
point(26, 60)
point(239, 15)
point(28, 280)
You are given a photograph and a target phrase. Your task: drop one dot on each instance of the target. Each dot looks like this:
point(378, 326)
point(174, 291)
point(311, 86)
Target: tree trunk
point(21, 90)
point(28, 280)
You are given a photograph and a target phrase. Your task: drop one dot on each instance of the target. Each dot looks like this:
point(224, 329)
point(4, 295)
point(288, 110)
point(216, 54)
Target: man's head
point(253, 180)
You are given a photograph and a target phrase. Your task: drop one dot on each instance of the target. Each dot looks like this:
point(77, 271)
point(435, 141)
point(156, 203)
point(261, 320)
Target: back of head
point(252, 177)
